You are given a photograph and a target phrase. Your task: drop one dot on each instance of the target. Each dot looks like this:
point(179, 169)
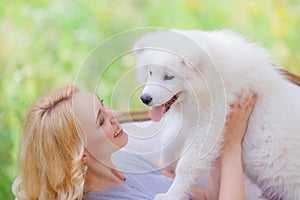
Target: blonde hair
point(51, 149)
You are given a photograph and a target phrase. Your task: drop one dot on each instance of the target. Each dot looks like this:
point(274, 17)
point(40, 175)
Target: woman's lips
point(119, 133)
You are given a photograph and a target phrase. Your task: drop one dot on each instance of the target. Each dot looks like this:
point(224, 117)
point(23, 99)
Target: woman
point(68, 140)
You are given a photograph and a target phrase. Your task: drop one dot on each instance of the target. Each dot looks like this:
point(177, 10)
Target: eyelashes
point(100, 118)
point(101, 121)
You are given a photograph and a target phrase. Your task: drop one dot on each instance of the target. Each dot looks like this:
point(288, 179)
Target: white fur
point(211, 68)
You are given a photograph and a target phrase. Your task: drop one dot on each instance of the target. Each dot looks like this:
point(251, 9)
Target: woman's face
point(103, 133)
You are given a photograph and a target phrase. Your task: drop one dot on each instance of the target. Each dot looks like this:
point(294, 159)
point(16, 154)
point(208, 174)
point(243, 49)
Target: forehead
point(156, 57)
point(164, 69)
point(85, 105)
point(85, 97)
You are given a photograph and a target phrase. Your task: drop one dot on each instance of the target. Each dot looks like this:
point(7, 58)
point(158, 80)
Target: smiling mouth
point(119, 133)
point(157, 112)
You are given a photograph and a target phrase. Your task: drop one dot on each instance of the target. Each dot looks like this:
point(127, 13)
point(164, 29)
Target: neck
point(102, 176)
point(199, 100)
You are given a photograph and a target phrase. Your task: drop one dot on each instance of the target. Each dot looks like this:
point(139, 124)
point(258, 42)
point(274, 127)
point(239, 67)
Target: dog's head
point(164, 74)
point(164, 88)
point(164, 69)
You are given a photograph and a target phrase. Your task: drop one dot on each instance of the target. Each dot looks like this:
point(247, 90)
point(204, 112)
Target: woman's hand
point(232, 178)
point(237, 121)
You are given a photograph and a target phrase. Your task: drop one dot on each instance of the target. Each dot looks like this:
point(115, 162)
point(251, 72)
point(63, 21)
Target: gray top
point(143, 180)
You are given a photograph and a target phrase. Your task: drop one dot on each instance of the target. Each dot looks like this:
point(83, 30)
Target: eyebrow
point(99, 112)
point(101, 100)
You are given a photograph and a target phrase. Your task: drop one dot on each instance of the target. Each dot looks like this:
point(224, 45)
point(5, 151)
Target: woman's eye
point(101, 121)
point(168, 77)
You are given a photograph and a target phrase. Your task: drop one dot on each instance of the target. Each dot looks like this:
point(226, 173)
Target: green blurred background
point(43, 43)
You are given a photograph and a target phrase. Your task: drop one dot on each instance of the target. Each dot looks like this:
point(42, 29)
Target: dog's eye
point(150, 72)
point(168, 77)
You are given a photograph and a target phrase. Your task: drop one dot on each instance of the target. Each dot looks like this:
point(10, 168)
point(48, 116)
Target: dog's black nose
point(146, 99)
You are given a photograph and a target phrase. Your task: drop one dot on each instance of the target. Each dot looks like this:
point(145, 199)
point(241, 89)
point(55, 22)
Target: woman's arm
point(213, 186)
point(226, 179)
point(232, 179)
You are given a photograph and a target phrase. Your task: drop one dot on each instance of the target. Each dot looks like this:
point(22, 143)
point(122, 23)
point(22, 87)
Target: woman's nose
point(111, 116)
point(117, 114)
point(113, 121)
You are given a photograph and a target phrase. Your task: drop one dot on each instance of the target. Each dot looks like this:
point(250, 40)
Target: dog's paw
point(163, 196)
point(166, 196)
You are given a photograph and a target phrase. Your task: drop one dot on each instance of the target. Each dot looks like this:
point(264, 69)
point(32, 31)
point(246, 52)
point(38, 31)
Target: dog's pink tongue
point(156, 113)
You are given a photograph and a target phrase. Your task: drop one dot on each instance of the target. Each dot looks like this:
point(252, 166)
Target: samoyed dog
point(191, 77)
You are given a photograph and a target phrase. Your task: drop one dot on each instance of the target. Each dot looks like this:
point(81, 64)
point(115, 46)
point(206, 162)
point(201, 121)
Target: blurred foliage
point(44, 42)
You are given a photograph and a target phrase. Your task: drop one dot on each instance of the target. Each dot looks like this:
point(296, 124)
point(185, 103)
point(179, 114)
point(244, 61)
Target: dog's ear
point(142, 73)
point(181, 61)
point(185, 63)
point(191, 67)
point(138, 49)
point(138, 46)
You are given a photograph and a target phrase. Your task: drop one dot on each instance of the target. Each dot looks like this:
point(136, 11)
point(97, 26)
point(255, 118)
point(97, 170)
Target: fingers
point(246, 102)
point(237, 102)
point(244, 107)
point(252, 101)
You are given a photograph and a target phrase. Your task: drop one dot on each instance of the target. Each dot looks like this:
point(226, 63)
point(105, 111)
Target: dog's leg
point(168, 166)
point(252, 190)
point(188, 169)
point(169, 157)
point(172, 151)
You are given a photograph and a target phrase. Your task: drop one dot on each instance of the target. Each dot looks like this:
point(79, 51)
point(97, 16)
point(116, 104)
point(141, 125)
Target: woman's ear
point(85, 157)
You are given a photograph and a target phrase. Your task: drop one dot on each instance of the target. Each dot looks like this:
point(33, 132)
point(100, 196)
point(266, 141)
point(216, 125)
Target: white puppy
point(191, 77)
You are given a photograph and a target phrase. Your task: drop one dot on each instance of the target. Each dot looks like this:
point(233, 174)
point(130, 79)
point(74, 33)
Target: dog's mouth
point(156, 112)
